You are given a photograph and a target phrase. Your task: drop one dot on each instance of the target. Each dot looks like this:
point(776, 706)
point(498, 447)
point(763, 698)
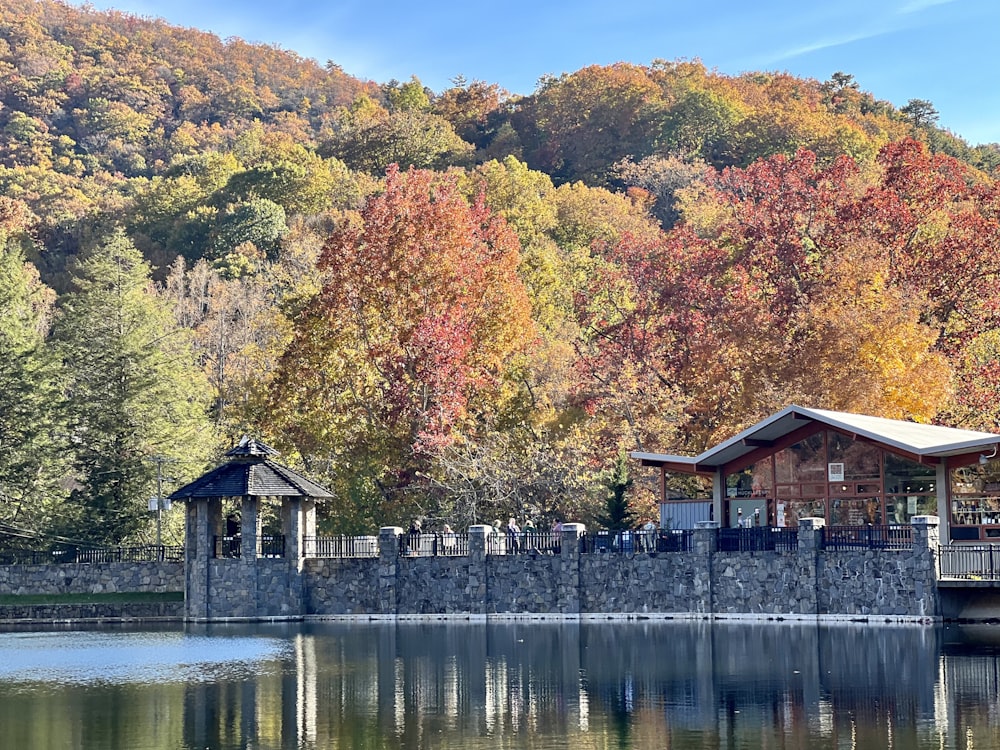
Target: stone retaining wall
point(341, 586)
point(807, 581)
point(92, 578)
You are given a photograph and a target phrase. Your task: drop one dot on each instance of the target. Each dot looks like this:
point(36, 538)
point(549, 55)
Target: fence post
point(810, 598)
point(478, 586)
point(568, 594)
point(704, 545)
point(388, 566)
point(811, 534)
point(706, 537)
point(926, 568)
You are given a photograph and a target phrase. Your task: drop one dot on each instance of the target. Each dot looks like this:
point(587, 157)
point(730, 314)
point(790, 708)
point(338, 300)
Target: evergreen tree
point(135, 393)
point(618, 513)
point(31, 462)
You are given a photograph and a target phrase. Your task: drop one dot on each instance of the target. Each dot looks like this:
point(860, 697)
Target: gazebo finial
point(249, 446)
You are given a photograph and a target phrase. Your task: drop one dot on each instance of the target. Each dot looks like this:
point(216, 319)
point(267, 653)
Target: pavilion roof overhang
point(921, 442)
point(251, 472)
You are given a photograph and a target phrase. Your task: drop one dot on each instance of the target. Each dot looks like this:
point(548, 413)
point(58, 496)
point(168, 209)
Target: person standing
point(513, 535)
point(649, 535)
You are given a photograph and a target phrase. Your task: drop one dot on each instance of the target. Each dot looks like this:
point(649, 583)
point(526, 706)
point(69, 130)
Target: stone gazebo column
point(203, 520)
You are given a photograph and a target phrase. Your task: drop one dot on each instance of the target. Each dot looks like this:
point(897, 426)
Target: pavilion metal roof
point(920, 440)
point(251, 472)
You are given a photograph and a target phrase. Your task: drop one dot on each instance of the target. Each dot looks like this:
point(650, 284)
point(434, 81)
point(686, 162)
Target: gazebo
point(240, 573)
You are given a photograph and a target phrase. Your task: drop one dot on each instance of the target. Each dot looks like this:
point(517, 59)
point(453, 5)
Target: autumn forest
point(454, 305)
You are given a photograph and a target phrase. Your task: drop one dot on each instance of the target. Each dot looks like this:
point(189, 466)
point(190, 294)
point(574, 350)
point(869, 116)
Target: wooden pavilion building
point(849, 469)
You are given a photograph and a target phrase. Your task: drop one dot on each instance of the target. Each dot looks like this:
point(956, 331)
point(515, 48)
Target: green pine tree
point(618, 513)
point(32, 462)
point(135, 393)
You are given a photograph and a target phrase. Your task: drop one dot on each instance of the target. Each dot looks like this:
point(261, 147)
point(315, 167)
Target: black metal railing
point(271, 545)
point(758, 539)
point(674, 540)
point(867, 537)
point(74, 554)
point(227, 546)
point(434, 545)
point(340, 546)
point(612, 542)
point(970, 562)
point(524, 542)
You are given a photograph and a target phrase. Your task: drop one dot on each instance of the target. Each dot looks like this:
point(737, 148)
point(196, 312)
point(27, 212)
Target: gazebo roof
point(251, 472)
point(923, 442)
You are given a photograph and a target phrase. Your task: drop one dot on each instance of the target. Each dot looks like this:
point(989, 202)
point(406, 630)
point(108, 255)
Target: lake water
point(523, 685)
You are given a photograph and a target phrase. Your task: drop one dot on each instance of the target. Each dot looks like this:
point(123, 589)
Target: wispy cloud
point(915, 6)
point(828, 43)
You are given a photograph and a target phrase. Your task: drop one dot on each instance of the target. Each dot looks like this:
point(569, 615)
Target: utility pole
point(159, 461)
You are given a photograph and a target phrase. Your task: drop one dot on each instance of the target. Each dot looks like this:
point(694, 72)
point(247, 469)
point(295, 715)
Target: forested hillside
point(458, 304)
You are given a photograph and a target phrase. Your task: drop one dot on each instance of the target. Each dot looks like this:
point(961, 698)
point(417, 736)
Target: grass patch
point(116, 598)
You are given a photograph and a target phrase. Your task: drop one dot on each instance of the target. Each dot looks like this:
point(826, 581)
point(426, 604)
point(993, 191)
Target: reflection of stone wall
point(129, 611)
point(92, 578)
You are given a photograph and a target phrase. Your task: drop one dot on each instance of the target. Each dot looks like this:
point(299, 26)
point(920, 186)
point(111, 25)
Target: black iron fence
point(632, 542)
point(759, 539)
point(867, 537)
point(434, 545)
point(227, 546)
point(73, 554)
point(524, 542)
point(674, 540)
point(340, 546)
point(970, 562)
point(268, 545)
point(271, 545)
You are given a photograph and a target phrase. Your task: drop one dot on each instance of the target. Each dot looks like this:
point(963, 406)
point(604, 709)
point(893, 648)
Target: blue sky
point(944, 51)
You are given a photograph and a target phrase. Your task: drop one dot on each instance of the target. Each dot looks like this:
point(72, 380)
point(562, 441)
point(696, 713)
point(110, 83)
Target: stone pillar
point(388, 568)
point(568, 595)
point(810, 534)
point(292, 529)
point(249, 528)
point(810, 544)
point(706, 537)
point(704, 545)
point(926, 545)
point(477, 591)
point(247, 606)
point(203, 523)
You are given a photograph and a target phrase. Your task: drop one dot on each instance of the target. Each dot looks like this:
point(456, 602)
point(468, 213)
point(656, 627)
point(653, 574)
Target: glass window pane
point(809, 459)
point(861, 460)
point(903, 476)
point(901, 508)
point(855, 511)
point(790, 511)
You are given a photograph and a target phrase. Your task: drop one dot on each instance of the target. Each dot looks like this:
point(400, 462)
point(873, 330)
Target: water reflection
point(546, 686)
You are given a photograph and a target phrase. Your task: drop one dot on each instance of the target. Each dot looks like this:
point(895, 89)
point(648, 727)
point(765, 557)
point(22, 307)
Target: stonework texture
point(704, 582)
